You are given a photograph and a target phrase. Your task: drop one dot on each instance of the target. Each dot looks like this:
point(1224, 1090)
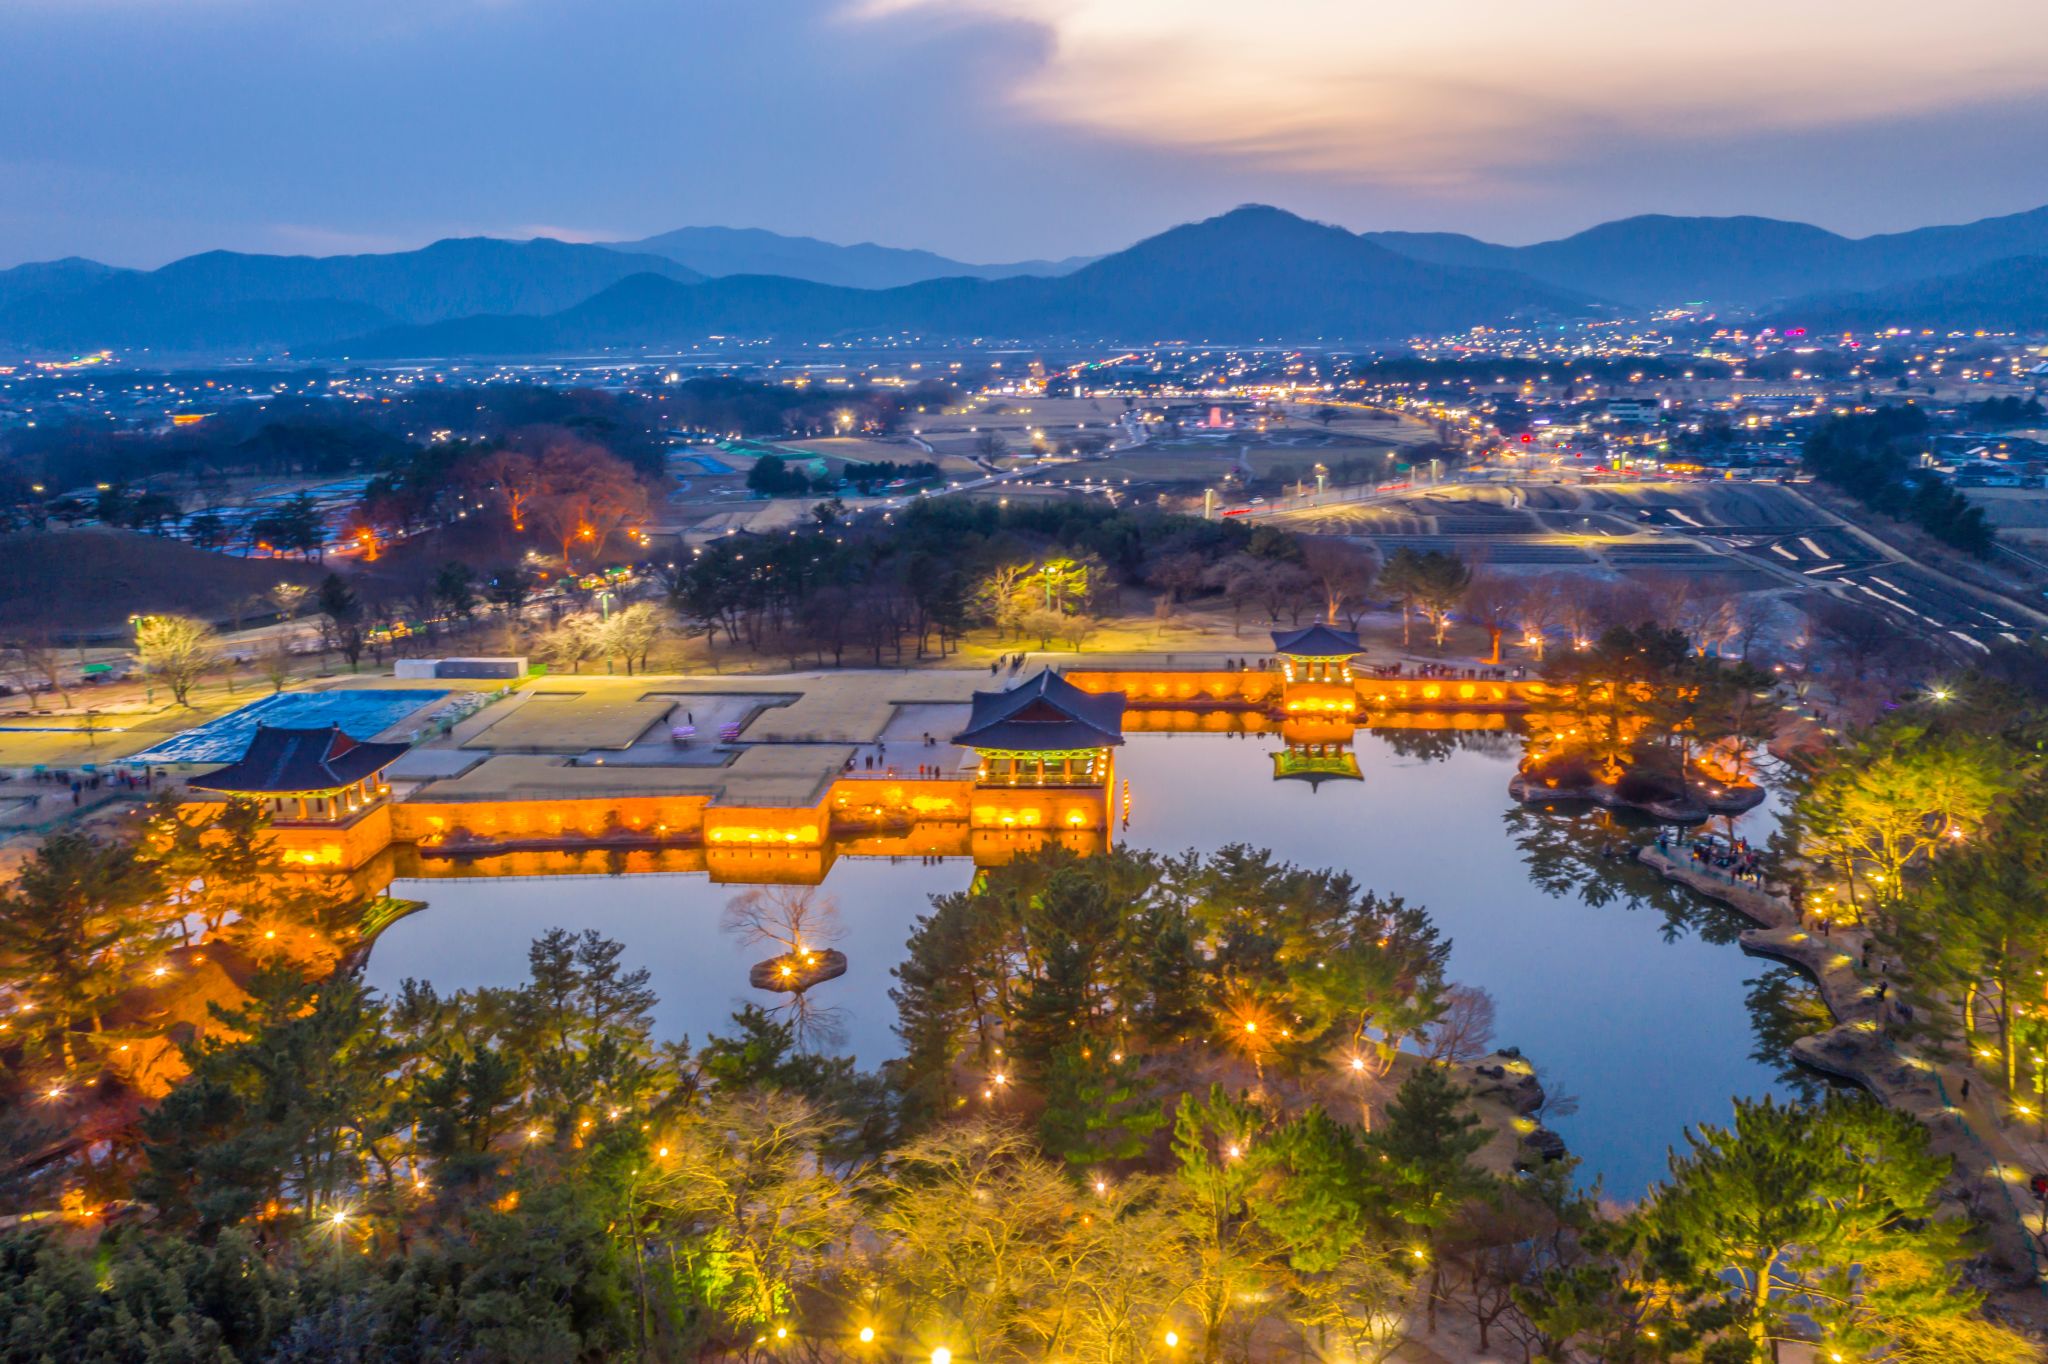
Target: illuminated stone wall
point(315, 847)
point(871, 817)
point(430, 822)
point(859, 817)
point(1145, 691)
point(1183, 688)
point(1431, 693)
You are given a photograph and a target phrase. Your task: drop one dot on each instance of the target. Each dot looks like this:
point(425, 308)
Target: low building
point(324, 791)
point(1316, 665)
point(1044, 732)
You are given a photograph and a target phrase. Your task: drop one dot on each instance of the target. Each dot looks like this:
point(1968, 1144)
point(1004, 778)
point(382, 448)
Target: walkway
point(1993, 1161)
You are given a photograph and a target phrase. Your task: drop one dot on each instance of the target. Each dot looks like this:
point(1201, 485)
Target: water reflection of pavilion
point(1316, 750)
point(1316, 764)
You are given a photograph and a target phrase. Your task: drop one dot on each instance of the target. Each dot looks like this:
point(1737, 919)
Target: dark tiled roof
point(281, 760)
point(1317, 641)
point(1044, 714)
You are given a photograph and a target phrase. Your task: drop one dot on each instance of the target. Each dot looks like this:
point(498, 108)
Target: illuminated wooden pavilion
point(306, 776)
point(1315, 668)
point(1044, 732)
point(1317, 653)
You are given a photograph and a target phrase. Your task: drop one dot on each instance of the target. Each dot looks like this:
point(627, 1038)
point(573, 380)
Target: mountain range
point(232, 301)
point(1252, 274)
point(756, 251)
point(2006, 295)
point(1660, 261)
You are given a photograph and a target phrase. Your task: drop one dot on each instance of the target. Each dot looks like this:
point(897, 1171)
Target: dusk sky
point(137, 131)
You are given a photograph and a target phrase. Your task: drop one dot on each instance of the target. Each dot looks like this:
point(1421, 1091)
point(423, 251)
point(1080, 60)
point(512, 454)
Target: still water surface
point(1627, 993)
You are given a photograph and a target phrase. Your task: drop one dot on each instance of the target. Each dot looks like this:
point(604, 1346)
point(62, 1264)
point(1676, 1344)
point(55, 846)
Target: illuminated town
point(1443, 765)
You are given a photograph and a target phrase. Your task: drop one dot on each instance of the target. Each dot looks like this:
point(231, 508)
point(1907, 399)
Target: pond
point(1627, 992)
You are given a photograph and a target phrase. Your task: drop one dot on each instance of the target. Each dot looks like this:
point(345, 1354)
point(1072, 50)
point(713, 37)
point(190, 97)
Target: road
point(1764, 534)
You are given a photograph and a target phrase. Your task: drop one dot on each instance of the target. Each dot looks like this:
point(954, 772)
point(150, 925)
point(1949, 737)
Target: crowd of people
point(1735, 860)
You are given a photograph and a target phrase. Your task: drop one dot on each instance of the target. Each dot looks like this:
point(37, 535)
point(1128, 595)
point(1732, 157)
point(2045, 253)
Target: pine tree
point(1217, 1153)
point(287, 1102)
point(1803, 1221)
point(80, 921)
point(1070, 931)
point(1428, 1144)
point(1097, 1106)
point(583, 1024)
point(1313, 1198)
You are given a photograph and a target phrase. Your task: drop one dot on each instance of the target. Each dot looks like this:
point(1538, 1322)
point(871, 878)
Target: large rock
point(1506, 1076)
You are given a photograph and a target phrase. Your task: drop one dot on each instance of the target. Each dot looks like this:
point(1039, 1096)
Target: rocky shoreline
point(1989, 1178)
point(1506, 1078)
point(1695, 807)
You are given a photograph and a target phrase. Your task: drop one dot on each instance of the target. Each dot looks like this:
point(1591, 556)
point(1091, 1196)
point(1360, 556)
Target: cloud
point(561, 234)
point(1441, 95)
point(990, 129)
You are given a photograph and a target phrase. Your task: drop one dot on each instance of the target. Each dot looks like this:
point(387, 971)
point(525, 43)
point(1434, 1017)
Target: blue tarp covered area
point(361, 715)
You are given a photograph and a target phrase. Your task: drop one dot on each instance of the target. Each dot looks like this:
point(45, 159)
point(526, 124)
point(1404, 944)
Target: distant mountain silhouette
point(757, 251)
point(229, 301)
point(68, 276)
point(2006, 295)
point(1252, 274)
point(1657, 260)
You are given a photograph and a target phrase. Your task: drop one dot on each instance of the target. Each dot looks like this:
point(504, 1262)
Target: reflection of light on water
point(475, 933)
point(1641, 1015)
point(815, 1026)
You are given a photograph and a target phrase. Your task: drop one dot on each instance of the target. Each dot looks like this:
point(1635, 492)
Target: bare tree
point(1464, 1031)
point(1242, 578)
point(632, 634)
point(794, 918)
point(1706, 613)
point(1866, 658)
point(824, 621)
point(1344, 573)
point(276, 663)
point(1541, 605)
point(1041, 623)
point(1177, 575)
point(588, 495)
point(575, 638)
point(1752, 616)
point(1286, 588)
point(1581, 605)
point(177, 649)
point(1494, 604)
point(34, 662)
point(513, 478)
